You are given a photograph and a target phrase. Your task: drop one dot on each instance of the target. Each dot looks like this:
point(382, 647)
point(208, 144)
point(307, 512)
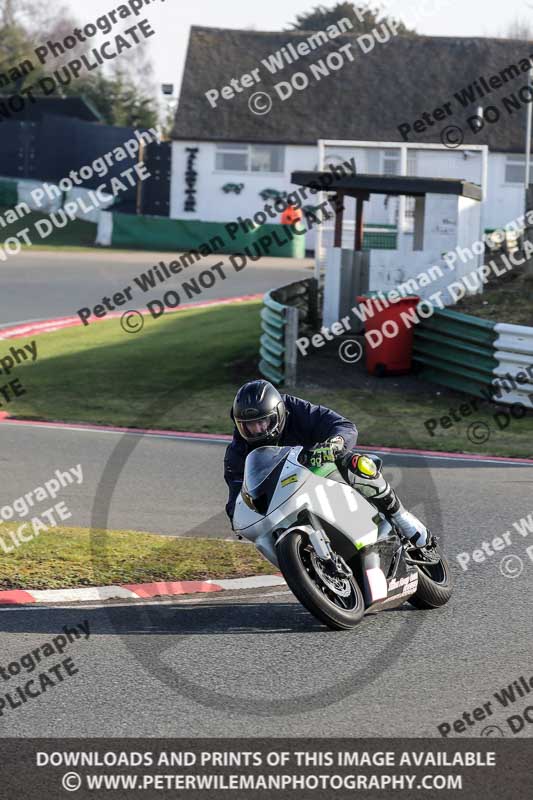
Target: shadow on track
point(226, 617)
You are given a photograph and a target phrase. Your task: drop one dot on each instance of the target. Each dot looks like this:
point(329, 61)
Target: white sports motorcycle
point(340, 557)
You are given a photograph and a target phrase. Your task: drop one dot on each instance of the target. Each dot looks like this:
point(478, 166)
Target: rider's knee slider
point(364, 466)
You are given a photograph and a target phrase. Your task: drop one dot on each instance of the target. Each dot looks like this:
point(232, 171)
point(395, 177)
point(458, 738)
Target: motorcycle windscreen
point(261, 474)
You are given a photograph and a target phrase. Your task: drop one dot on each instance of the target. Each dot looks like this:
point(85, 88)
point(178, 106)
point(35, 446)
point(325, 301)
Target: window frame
point(234, 147)
point(230, 148)
point(515, 161)
point(390, 155)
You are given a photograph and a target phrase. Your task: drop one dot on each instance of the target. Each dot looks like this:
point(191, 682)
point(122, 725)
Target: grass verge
point(181, 372)
point(505, 300)
point(74, 557)
point(423, 422)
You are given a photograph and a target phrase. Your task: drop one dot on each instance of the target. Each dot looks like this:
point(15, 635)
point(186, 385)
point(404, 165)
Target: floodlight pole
point(318, 236)
point(528, 132)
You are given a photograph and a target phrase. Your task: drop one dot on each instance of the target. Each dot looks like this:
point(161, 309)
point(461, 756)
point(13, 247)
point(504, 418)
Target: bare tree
point(363, 16)
point(521, 29)
point(123, 92)
point(24, 25)
point(37, 17)
point(7, 13)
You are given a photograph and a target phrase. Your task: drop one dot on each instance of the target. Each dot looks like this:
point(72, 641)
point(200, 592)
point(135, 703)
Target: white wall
point(450, 221)
point(468, 232)
point(212, 203)
point(505, 201)
point(389, 268)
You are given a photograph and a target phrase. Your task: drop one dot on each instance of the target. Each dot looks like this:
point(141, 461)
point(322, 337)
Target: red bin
point(389, 334)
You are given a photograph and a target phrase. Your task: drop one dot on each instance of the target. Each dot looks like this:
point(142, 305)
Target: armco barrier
point(285, 311)
point(514, 371)
point(162, 233)
point(456, 350)
point(476, 356)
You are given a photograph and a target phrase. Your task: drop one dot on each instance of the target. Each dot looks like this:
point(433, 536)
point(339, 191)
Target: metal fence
point(513, 349)
point(456, 350)
point(380, 237)
point(476, 356)
point(286, 314)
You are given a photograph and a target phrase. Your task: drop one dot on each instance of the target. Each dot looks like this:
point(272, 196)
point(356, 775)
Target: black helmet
point(259, 413)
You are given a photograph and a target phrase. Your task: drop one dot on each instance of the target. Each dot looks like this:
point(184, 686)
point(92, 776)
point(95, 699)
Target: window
point(250, 158)
point(412, 163)
point(515, 167)
point(390, 165)
point(391, 162)
point(232, 157)
point(267, 158)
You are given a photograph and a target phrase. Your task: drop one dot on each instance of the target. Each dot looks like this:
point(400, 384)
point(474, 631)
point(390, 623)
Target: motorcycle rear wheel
point(435, 584)
point(338, 603)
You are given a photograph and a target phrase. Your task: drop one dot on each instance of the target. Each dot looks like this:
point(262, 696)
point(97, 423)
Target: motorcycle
point(340, 557)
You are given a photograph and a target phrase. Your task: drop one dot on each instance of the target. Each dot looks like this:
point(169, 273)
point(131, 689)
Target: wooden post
point(528, 233)
point(339, 214)
point(420, 213)
point(312, 303)
point(359, 223)
point(292, 319)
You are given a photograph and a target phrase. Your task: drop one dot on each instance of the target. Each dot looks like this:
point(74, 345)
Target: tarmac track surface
point(256, 663)
point(43, 285)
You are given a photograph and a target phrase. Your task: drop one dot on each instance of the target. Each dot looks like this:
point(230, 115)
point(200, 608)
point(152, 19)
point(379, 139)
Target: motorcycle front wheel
point(335, 601)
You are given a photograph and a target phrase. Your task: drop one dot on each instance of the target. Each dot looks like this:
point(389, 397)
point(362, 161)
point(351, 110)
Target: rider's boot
point(411, 527)
point(366, 476)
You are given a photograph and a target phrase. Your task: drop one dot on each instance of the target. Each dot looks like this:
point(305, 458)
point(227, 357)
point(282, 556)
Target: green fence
point(456, 350)
point(380, 237)
point(8, 192)
point(385, 237)
point(161, 233)
point(285, 311)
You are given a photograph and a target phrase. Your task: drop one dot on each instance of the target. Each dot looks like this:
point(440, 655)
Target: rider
point(263, 416)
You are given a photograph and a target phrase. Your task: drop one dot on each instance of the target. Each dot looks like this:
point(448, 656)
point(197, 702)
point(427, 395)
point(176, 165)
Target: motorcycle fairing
point(357, 531)
point(384, 575)
point(335, 503)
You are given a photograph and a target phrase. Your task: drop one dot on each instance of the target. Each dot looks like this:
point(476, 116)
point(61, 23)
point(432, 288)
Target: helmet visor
point(254, 430)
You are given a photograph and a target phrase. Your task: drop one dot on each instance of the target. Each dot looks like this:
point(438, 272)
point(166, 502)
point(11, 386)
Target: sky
point(172, 20)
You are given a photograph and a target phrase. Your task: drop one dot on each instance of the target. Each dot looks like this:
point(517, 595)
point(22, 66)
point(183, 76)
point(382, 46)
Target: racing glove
point(326, 452)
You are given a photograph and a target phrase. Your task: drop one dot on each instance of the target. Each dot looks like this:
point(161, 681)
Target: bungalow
point(254, 105)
